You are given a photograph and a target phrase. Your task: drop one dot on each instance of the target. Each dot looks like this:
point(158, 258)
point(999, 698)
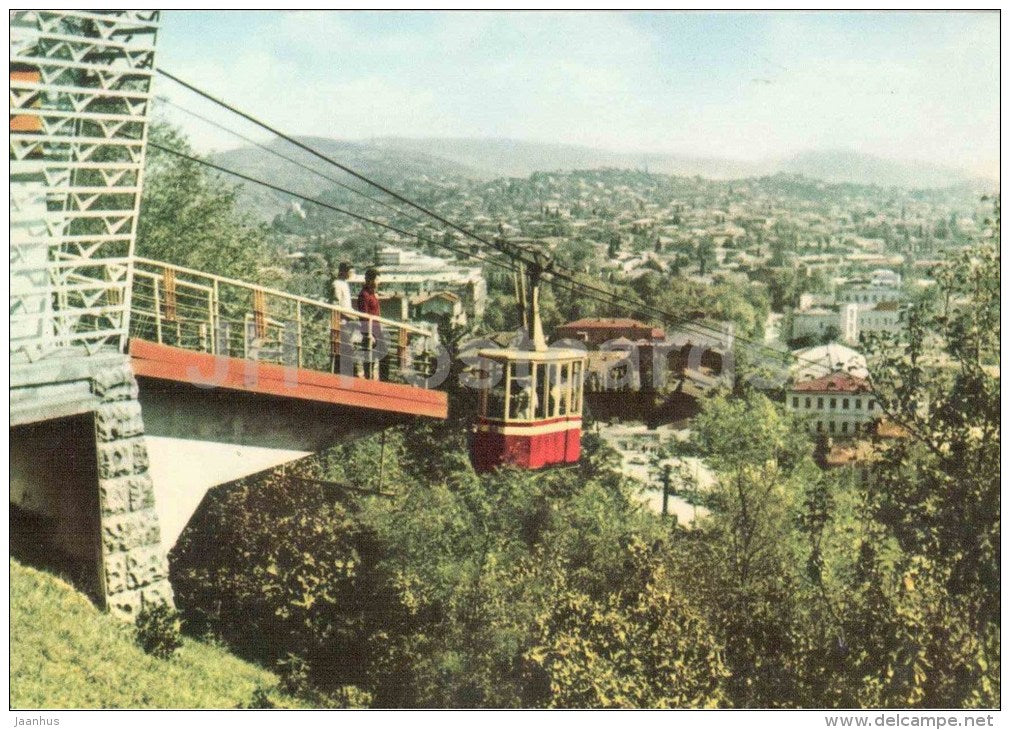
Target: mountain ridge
point(389, 160)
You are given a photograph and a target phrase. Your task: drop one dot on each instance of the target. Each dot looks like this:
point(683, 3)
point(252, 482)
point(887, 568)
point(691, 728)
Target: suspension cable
point(292, 160)
point(498, 245)
point(613, 299)
point(321, 203)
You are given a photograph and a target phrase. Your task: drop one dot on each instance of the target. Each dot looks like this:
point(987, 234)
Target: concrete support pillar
point(135, 568)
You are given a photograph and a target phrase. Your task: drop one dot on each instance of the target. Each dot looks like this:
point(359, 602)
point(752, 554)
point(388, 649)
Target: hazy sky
point(740, 85)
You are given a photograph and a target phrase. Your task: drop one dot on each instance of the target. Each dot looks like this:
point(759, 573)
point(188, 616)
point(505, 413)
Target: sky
point(748, 86)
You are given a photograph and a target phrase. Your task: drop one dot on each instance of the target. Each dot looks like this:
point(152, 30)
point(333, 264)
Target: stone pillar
point(134, 565)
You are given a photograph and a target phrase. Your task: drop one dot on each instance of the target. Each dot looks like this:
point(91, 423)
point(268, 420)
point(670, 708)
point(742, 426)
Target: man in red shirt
point(368, 303)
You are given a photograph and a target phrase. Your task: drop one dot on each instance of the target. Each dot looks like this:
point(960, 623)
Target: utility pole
point(667, 471)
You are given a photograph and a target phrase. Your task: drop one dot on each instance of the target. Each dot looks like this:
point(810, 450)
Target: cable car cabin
point(532, 416)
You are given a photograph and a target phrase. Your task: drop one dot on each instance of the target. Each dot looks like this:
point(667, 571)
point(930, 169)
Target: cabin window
point(565, 387)
point(553, 390)
point(543, 387)
point(522, 393)
point(577, 388)
point(492, 399)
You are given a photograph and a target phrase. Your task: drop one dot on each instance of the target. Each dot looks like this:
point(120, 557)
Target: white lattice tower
point(79, 103)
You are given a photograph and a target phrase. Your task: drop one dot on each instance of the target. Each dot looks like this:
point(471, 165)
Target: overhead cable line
point(575, 288)
point(301, 145)
point(501, 246)
point(321, 203)
point(292, 160)
point(613, 298)
point(498, 245)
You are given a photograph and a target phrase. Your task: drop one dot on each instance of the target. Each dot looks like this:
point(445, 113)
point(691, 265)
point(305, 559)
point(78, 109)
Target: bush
point(294, 673)
point(159, 630)
point(260, 701)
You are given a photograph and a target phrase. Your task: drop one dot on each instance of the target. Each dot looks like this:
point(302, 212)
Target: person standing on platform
point(341, 287)
point(368, 303)
point(340, 295)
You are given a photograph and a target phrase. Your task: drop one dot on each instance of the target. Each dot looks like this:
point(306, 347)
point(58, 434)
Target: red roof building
point(839, 404)
point(596, 331)
point(837, 382)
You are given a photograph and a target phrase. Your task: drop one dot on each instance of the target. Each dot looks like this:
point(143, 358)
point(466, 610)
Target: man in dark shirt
point(368, 303)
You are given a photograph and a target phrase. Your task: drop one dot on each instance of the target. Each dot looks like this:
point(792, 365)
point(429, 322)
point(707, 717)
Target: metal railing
point(194, 310)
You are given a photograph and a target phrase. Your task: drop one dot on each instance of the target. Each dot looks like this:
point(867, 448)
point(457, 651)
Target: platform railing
point(194, 310)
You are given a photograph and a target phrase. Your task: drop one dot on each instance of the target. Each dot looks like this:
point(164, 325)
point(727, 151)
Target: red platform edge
point(164, 362)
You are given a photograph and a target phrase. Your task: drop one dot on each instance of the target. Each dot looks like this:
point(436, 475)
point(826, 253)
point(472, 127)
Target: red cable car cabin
point(532, 416)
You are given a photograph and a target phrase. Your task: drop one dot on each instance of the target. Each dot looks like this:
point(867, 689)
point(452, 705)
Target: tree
point(189, 216)
point(704, 252)
point(939, 381)
point(643, 647)
point(742, 564)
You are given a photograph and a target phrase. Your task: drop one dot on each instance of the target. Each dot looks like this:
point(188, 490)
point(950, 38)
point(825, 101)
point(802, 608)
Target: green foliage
point(159, 630)
point(744, 564)
point(939, 381)
point(555, 589)
point(189, 216)
point(936, 492)
point(641, 647)
point(276, 569)
point(448, 579)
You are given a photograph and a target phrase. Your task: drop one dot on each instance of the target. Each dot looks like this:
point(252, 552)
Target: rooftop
point(603, 323)
point(837, 382)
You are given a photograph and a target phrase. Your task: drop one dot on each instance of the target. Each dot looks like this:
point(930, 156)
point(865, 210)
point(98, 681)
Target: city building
point(819, 322)
point(411, 273)
point(885, 317)
point(595, 332)
point(816, 362)
point(840, 404)
point(882, 285)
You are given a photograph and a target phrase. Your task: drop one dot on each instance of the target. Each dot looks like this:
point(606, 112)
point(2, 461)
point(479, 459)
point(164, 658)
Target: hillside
point(518, 158)
point(842, 166)
point(380, 164)
point(392, 160)
point(67, 654)
point(498, 157)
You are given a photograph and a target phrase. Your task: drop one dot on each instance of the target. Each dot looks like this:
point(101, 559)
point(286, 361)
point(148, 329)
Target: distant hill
point(517, 158)
point(842, 166)
point(498, 157)
point(392, 159)
point(382, 165)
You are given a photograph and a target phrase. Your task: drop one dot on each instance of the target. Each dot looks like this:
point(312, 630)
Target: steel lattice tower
point(80, 96)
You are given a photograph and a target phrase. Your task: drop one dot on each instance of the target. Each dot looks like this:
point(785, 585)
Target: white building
point(885, 317)
point(882, 285)
point(839, 405)
point(411, 273)
point(843, 322)
point(817, 362)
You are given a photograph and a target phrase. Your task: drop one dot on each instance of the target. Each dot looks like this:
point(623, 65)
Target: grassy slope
point(67, 654)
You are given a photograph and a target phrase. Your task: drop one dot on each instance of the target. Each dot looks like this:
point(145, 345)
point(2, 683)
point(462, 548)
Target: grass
point(65, 653)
